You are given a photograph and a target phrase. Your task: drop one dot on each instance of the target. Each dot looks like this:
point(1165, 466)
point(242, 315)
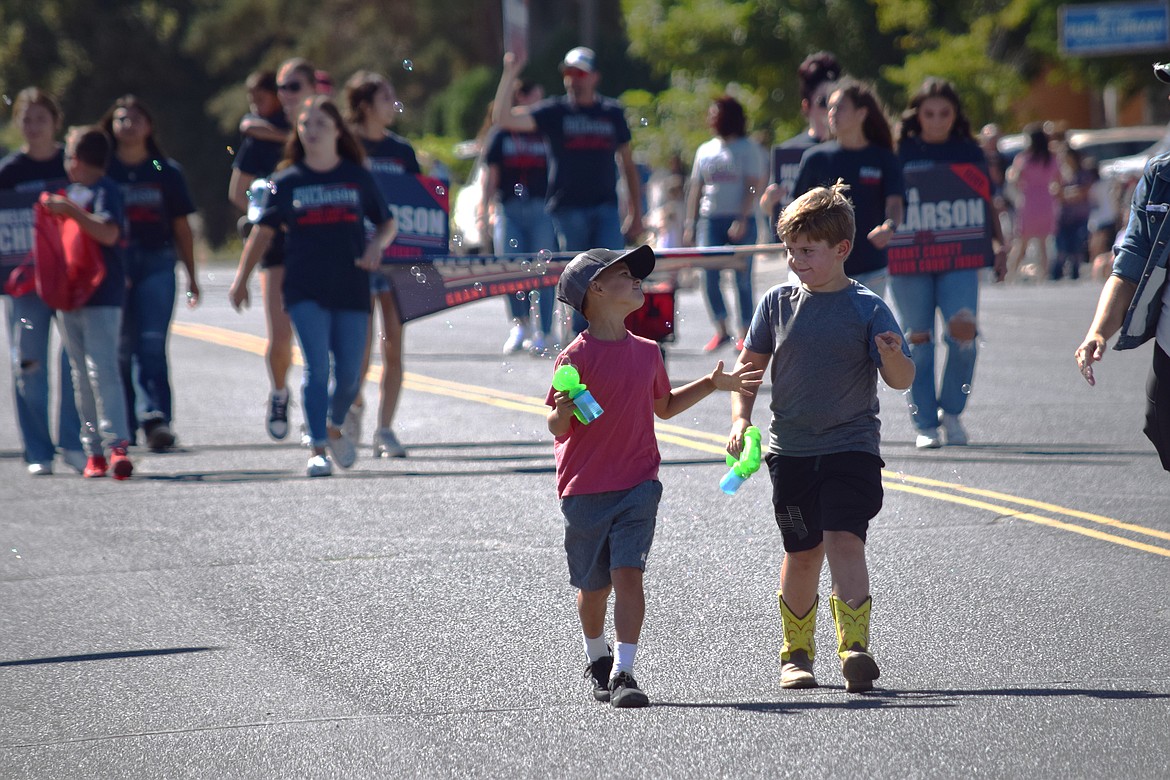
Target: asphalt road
point(221, 615)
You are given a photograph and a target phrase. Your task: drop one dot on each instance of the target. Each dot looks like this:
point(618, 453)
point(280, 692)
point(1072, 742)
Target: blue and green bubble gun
point(747, 464)
point(567, 380)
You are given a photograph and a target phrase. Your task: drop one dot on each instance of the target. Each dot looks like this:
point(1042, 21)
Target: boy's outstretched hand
point(744, 381)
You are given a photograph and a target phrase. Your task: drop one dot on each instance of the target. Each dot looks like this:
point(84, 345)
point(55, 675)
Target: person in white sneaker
point(321, 194)
point(517, 181)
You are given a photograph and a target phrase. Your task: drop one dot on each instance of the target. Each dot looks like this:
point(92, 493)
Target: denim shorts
point(837, 492)
point(605, 531)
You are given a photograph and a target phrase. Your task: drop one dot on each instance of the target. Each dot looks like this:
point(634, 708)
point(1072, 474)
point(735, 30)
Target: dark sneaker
point(624, 692)
point(160, 437)
point(278, 415)
point(599, 670)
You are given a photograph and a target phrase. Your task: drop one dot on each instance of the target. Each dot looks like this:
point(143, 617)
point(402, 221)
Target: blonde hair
point(821, 214)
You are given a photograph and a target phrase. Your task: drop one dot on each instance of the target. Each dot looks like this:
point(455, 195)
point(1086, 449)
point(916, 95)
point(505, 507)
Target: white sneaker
point(536, 344)
point(319, 466)
point(40, 469)
point(352, 427)
point(386, 444)
point(956, 434)
point(515, 341)
point(344, 453)
point(75, 459)
point(928, 440)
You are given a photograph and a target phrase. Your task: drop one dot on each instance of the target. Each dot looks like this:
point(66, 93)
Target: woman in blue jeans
point(158, 204)
point(320, 195)
point(726, 180)
point(37, 166)
point(935, 130)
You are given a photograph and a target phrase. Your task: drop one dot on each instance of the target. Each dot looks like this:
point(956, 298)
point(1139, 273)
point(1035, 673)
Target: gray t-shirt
point(824, 367)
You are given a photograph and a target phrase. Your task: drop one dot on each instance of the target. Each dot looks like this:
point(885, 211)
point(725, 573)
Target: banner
point(421, 207)
point(947, 226)
point(16, 230)
point(433, 284)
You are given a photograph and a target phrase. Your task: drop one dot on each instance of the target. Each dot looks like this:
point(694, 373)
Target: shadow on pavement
point(914, 699)
point(68, 659)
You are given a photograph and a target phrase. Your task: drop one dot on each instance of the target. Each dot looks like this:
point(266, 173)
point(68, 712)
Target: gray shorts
point(605, 531)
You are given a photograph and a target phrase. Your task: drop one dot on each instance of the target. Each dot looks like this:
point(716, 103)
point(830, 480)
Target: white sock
point(623, 658)
point(595, 647)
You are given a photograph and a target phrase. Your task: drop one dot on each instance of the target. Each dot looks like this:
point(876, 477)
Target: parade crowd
point(561, 172)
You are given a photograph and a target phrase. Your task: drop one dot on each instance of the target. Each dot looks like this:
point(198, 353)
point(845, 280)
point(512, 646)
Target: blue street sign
point(1114, 28)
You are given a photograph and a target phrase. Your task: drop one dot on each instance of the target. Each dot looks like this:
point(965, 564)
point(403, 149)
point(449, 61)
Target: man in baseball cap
point(585, 267)
point(581, 58)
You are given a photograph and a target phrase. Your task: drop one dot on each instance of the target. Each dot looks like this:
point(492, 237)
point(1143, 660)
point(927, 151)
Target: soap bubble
point(399, 106)
point(157, 165)
point(477, 287)
point(913, 408)
point(231, 151)
point(644, 122)
point(534, 296)
point(966, 389)
point(513, 243)
point(457, 239)
point(521, 295)
point(415, 270)
point(26, 324)
point(519, 190)
point(440, 190)
point(407, 66)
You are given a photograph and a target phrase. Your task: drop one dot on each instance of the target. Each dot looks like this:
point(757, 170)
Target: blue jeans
point(29, 328)
point(591, 227)
point(916, 297)
point(340, 333)
point(146, 320)
point(529, 225)
point(91, 336)
point(712, 231)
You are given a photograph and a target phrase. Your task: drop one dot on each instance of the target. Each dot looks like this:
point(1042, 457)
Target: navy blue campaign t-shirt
point(259, 158)
point(873, 174)
point(104, 199)
point(582, 143)
point(391, 154)
point(323, 213)
point(523, 161)
point(154, 193)
point(914, 151)
point(22, 173)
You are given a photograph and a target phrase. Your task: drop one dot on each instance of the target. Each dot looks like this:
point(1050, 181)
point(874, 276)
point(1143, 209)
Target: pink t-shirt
point(618, 450)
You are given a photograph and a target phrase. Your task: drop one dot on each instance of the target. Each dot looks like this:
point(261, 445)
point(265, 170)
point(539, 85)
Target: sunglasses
point(821, 102)
point(291, 86)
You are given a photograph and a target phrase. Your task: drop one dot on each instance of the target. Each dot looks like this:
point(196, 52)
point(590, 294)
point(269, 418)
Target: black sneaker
point(625, 693)
point(599, 670)
point(159, 437)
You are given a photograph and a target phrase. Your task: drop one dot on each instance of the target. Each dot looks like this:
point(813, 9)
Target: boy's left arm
point(897, 369)
point(744, 381)
point(104, 232)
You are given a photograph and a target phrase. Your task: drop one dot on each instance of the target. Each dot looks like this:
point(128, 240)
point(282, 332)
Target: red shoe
point(120, 463)
point(717, 341)
point(95, 466)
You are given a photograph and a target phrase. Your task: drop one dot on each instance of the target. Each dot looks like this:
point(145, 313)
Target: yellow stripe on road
point(712, 443)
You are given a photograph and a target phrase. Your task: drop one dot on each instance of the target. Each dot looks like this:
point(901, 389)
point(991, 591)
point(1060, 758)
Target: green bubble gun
point(567, 380)
point(747, 464)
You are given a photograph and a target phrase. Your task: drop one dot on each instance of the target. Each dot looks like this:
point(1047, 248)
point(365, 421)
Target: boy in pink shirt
point(607, 471)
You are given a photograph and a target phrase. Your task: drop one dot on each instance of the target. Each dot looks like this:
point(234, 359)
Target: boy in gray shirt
point(827, 340)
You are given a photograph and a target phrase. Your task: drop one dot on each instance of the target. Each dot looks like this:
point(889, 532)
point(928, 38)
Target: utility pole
point(588, 24)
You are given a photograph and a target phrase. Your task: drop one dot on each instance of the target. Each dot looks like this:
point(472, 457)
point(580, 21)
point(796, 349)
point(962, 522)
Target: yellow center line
point(698, 440)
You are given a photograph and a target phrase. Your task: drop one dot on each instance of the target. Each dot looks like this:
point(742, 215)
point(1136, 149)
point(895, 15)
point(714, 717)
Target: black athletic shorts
point(1158, 406)
point(811, 495)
